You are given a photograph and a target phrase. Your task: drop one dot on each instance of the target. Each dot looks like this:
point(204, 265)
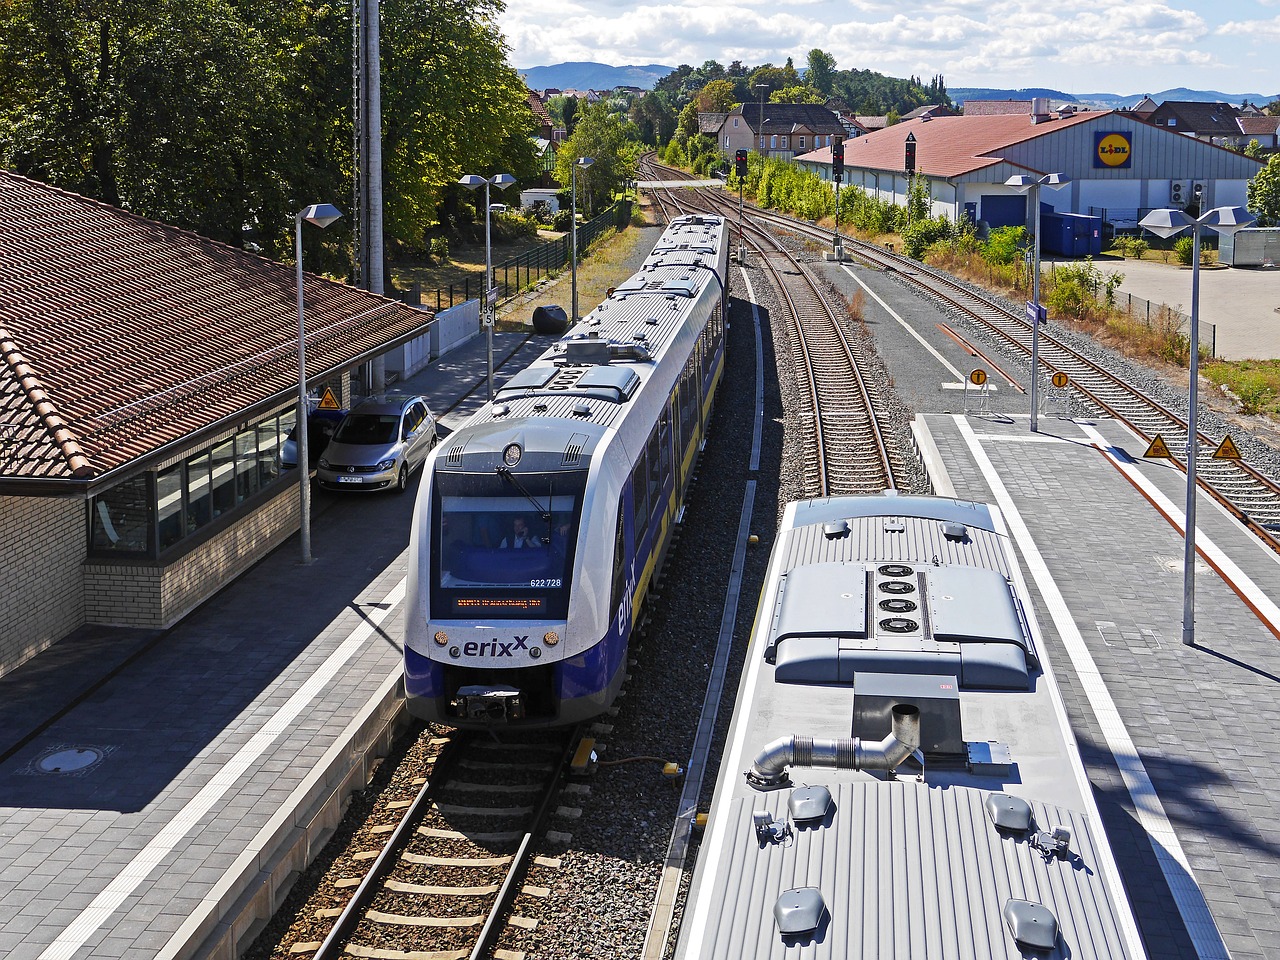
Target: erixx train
point(540, 523)
point(899, 778)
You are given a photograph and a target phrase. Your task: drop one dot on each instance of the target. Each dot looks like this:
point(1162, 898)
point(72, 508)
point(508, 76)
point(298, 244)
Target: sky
point(1076, 46)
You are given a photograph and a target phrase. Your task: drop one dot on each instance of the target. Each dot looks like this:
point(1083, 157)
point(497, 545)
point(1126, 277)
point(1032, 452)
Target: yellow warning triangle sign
point(328, 401)
point(1159, 449)
point(1227, 449)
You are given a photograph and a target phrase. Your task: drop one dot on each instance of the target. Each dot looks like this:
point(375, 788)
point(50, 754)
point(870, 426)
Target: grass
point(466, 262)
point(1255, 383)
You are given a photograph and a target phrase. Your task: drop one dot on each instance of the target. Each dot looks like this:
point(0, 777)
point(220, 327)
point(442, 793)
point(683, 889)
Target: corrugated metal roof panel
point(908, 870)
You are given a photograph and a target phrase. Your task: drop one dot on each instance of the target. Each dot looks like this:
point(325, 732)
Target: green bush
point(512, 225)
point(1183, 248)
point(440, 249)
point(562, 220)
point(1005, 245)
point(920, 235)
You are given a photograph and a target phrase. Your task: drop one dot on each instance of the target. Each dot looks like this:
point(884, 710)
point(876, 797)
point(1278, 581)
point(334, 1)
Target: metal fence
point(1147, 313)
point(526, 269)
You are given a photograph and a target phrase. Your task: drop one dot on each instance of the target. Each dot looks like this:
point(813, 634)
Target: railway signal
point(740, 164)
point(910, 159)
point(740, 168)
point(837, 173)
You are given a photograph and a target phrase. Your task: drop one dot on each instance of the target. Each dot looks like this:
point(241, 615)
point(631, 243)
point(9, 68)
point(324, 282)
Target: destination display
point(496, 604)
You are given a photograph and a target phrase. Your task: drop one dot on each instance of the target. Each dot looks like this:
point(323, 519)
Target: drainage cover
point(69, 761)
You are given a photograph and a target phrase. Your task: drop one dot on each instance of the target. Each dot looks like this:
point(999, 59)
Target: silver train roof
point(857, 865)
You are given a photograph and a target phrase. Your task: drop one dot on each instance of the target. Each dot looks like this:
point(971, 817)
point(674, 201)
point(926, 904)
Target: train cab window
point(500, 554)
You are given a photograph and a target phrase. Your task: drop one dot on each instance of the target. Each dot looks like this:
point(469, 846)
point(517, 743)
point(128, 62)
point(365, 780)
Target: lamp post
point(580, 163)
point(501, 181)
point(1024, 184)
point(1166, 223)
point(761, 87)
point(321, 214)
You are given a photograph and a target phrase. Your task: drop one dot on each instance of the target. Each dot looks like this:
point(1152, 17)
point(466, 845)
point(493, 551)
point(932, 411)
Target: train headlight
point(551, 638)
point(511, 454)
point(441, 637)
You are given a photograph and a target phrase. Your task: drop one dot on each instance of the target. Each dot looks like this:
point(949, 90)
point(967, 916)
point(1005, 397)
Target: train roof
point(872, 602)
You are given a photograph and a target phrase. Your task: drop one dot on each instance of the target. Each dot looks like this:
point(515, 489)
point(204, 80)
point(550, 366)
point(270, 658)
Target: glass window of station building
point(162, 511)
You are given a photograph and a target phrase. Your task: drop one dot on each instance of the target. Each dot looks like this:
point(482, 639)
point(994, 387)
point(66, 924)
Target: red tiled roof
point(994, 108)
point(1258, 125)
point(946, 146)
point(119, 335)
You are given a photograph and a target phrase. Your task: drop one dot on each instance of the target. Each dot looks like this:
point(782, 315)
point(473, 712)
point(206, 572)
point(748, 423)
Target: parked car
point(320, 427)
point(378, 444)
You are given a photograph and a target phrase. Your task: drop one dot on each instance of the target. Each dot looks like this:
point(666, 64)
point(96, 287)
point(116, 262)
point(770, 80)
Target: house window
point(784, 143)
point(148, 516)
point(735, 123)
point(773, 142)
point(802, 143)
point(1173, 121)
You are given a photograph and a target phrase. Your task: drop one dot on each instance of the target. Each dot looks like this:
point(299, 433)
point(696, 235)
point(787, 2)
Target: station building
point(148, 379)
point(1120, 167)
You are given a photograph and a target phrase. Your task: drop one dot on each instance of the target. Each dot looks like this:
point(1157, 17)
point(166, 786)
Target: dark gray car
point(378, 444)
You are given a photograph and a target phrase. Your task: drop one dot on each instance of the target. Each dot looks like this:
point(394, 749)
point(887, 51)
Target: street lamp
point(321, 214)
point(1035, 313)
point(490, 301)
point(1167, 223)
point(583, 163)
point(761, 87)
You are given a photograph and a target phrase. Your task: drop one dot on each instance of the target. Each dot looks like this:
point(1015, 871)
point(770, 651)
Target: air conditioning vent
point(899, 625)
point(897, 605)
point(895, 570)
point(897, 586)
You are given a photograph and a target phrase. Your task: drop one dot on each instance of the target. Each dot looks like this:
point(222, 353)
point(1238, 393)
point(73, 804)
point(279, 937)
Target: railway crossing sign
point(978, 377)
point(1227, 450)
point(328, 401)
point(1158, 449)
point(1060, 379)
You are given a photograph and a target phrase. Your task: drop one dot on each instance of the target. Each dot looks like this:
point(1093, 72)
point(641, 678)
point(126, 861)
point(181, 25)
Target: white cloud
point(1075, 45)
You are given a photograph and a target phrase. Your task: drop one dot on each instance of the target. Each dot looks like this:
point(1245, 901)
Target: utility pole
point(368, 121)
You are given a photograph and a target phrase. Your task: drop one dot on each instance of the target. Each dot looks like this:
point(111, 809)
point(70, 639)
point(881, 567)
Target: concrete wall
point(150, 595)
point(42, 547)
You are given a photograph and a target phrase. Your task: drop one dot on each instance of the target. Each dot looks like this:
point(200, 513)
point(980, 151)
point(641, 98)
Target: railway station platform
point(1179, 741)
point(160, 791)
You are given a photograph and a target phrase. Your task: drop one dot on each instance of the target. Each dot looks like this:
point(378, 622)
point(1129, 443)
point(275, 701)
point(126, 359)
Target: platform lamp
point(1035, 313)
point(321, 214)
point(580, 163)
point(1167, 223)
point(471, 182)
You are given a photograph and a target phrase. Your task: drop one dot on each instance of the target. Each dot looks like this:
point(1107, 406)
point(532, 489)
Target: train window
point(640, 499)
point(619, 580)
point(653, 455)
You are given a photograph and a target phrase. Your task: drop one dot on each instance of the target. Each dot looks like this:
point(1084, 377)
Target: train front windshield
point(502, 551)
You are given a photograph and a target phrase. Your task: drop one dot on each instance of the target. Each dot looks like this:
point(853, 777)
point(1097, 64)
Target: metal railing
point(1149, 314)
point(526, 269)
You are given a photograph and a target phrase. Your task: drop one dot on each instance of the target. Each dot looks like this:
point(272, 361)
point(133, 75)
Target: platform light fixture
point(580, 164)
point(320, 214)
point(490, 299)
point(1167, 223)
point(1035, 313)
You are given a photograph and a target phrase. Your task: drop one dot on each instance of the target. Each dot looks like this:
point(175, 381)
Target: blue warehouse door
point(1004, 211)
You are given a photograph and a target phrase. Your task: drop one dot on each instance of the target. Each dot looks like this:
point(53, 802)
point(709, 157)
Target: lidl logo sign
point(1114, 150)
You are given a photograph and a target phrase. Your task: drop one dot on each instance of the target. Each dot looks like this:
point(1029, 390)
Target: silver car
point(378, 444)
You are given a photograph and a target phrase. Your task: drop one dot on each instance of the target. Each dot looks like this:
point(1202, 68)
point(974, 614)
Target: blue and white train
point(540, 523)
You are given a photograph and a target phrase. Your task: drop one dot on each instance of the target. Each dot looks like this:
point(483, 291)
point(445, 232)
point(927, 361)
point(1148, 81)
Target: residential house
point(778, 129)
point(1215, 122)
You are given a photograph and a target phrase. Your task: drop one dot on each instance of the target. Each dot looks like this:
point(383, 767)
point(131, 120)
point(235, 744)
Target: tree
point(1253, 150)
point(796, 94)
point(716, 97)
point(654, 119)
point(601, 136)
point(821, 75)
point(1264, 193)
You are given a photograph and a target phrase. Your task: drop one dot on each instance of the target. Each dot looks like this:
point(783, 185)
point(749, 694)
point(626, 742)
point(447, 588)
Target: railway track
point(1253, 497)
point(847, 449)
point(443, 870)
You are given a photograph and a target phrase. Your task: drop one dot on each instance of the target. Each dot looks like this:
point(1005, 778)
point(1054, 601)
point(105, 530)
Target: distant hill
point(593, 76)
point(1111, 101)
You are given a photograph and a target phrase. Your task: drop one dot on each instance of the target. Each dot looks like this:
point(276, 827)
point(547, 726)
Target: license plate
point(349, 480)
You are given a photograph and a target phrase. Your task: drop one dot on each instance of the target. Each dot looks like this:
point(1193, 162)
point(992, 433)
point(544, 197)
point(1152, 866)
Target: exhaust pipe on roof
point(770, 767)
